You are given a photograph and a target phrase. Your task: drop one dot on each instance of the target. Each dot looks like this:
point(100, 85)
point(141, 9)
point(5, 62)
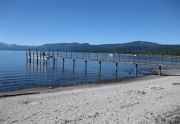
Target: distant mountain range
point(136, 47)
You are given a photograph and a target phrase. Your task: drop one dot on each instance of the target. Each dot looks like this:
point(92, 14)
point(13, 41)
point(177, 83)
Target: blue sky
point(37, 22)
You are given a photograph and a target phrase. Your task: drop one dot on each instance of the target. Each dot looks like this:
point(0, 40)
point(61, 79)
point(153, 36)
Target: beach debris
point(26, 102)
point(51, 87)
point(157, 88)
point(160, 97)
point(75, 84)
point(176, 83)
point(18, 94)
point(1, 120)
point(128, 105)
point(143, 92)
point(135, 92)
point(14, 121)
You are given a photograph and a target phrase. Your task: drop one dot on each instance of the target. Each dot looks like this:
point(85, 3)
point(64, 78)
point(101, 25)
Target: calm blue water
point(16, 73)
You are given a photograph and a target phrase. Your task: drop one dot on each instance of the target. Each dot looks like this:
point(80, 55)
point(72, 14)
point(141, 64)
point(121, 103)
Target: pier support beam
point(29, 56)
point(33, 59)
point(136, 68)
point(99, 67)
point(63, 64)
point(53, 62)
point(85, 67)
point(159, 70)
point(116, 68)
point(36, 57)
point(40, 58)
point(73, 65)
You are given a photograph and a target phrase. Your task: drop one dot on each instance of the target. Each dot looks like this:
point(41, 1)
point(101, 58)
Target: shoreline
point(40, 90)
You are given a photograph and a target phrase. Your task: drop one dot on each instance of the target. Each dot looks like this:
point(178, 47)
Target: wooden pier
point(159, 61)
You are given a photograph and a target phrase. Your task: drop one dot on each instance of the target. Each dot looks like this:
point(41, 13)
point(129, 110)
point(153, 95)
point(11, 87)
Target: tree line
point(169, 52)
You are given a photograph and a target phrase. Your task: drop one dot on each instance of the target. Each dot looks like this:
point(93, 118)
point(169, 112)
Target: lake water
point(16, 73)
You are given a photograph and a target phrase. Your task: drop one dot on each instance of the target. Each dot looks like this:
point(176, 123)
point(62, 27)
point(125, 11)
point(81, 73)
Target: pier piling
point(85, 67)
point(40, 57)
point(159, 70)
point(73, 65)
point(63, 64)
point(53, 62)
point(29, 56)
point(36, 56)
point(136, 68)
point(116, 68)
point(99, 67)
point(33, 57)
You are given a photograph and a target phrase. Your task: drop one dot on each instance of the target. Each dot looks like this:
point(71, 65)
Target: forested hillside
point(136, 47)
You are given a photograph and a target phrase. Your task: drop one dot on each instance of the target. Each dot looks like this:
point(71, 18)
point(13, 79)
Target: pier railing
point(110, 57)
point(137, 59)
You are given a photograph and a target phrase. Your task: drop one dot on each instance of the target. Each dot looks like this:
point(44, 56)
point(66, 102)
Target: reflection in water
point(20, 73)
point(42, 65)
point(45, 73)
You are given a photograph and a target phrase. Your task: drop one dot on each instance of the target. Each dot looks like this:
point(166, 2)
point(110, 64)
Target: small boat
point(111, 55)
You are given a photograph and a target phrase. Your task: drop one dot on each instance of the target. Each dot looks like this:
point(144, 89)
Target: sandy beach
point(150, 101)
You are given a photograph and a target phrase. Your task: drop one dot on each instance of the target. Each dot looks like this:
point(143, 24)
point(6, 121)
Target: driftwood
point(18, 94)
